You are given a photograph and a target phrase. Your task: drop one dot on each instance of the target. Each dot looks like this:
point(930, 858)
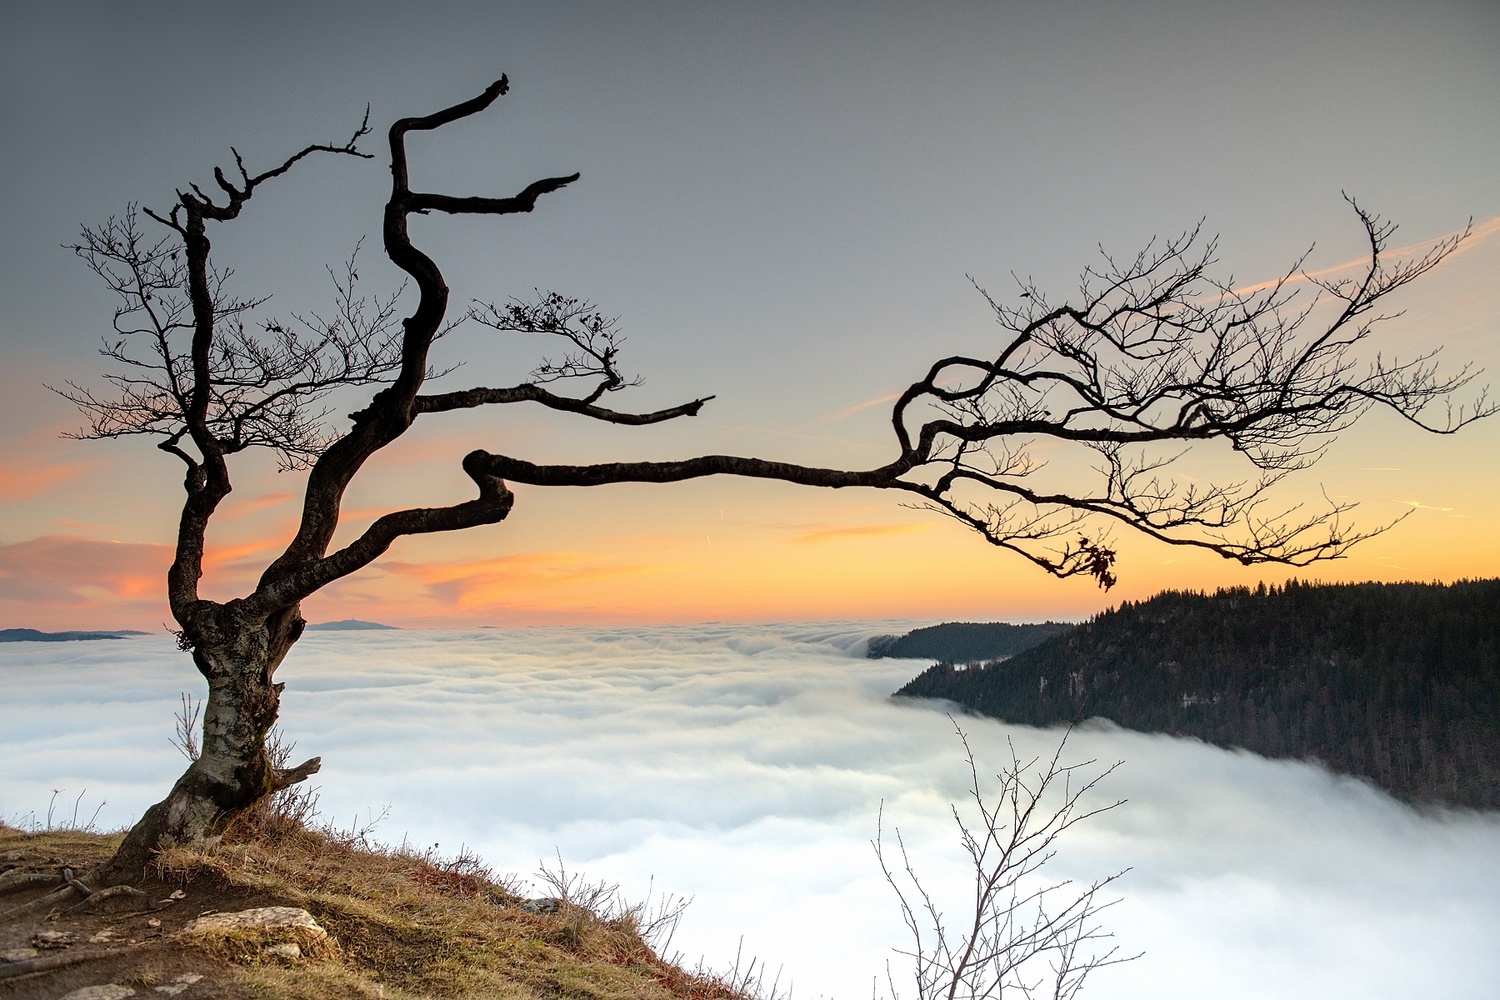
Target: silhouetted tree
point(1153, 351)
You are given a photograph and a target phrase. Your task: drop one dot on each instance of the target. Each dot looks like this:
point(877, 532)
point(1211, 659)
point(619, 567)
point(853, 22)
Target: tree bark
point(238, 658)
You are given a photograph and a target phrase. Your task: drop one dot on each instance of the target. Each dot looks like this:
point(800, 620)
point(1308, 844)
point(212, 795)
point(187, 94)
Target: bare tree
point(1020, 934)
point(1155, 352)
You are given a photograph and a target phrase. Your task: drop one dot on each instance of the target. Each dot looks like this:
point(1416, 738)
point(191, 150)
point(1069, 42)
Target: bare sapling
point(1024, 935)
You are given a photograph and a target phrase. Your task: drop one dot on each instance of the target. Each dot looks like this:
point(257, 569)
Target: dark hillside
point(1397, 683)
point(32, 635)
point(965, 642)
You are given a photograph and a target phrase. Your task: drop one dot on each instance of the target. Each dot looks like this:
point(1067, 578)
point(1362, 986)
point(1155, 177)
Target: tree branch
point(523, 202)
point(520, 471)
point(529, 392)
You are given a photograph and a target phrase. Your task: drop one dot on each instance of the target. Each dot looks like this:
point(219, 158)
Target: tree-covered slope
point(32, 635)
point(1397, 683)
point(965, 642)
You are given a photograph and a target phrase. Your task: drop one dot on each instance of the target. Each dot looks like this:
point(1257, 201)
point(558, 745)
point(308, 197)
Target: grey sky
point(758, 173)
point(781, 200)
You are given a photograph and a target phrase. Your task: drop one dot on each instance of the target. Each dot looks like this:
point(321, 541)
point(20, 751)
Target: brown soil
point(403, 925)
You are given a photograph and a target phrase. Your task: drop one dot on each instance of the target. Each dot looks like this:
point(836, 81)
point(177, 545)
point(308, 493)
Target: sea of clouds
point(744, 766)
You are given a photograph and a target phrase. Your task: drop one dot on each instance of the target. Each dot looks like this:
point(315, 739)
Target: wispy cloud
point(508, 580)
point(29, 477)
point(860, 531)
point(850, 411)
point(265, 500)
point(1419, 505)
point(58, 578)
point(1481, 233)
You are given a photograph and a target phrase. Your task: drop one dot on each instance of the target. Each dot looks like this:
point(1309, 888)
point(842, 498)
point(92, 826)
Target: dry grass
point(416, 924)
point(404, 923)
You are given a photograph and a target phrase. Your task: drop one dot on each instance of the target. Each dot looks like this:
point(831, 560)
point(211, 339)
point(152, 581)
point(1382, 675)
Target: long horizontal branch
point(469, 398)
point(520, 471)
point(523, 202)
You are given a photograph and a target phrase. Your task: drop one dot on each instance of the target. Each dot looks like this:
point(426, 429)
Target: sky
point(783, 203)
point(745, 765)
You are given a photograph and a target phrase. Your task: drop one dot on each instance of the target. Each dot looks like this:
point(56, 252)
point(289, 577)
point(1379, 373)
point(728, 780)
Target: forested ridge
point(1397, 683)
point(964, 642)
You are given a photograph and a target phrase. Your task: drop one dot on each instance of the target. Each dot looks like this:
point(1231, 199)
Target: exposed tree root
point(94, 898)
point(17, 880)
point(10, 970)
point(66, 894)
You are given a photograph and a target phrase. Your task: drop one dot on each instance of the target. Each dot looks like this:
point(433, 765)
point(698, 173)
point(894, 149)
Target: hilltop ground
point(401, 924)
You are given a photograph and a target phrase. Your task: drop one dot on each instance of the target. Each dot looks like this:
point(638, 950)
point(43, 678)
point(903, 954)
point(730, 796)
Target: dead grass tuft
point(414, 923)
point(403, 923)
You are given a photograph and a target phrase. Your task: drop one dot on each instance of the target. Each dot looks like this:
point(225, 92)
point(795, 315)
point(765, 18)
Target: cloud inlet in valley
point(744, 766)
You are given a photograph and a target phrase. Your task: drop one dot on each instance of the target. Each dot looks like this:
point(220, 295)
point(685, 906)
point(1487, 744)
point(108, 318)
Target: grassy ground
point(403, 925)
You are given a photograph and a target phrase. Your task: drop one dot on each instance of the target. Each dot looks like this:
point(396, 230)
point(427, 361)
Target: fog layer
point(744, 766)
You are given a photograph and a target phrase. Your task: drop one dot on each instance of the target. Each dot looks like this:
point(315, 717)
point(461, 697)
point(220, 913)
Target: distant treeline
point(32, 635)
point(965, 642)
point(1397, 683)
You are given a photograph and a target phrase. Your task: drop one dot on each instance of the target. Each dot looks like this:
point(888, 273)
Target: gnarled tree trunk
point(232, 771)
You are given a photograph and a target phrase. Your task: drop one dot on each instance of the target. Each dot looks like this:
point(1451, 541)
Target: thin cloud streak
point(1479, 234)
point(491, 584)
point(850, 411)
point(860, 531)
point(1419, 505)
point(744, 765)
point(24, 478)
point(62, 568)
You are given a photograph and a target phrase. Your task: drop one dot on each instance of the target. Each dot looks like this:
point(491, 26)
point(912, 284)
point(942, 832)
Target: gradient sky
point(781, 201)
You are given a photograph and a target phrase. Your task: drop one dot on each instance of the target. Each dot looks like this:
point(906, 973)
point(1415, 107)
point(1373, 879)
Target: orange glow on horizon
point(742, 550)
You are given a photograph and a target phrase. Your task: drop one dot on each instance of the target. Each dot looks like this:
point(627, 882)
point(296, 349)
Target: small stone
point(264, 916)
point(179, 984)
point(153, 922)
point(52, 939)
point(540, 906)
point(287, 950)
point(102, 936)
point(17, 954)
point(176, 895)
point(109, 991)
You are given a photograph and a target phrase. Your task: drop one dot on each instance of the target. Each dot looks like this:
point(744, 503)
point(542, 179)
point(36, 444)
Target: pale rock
point(268, 917)
point(179, 984)
point(541, 906)
point(52, 939)
point(109, 991)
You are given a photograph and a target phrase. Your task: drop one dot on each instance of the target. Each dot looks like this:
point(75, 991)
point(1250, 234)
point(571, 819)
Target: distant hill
point(1397, 683)
point(32, 635)
point(964, 642)
point(348, 625)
